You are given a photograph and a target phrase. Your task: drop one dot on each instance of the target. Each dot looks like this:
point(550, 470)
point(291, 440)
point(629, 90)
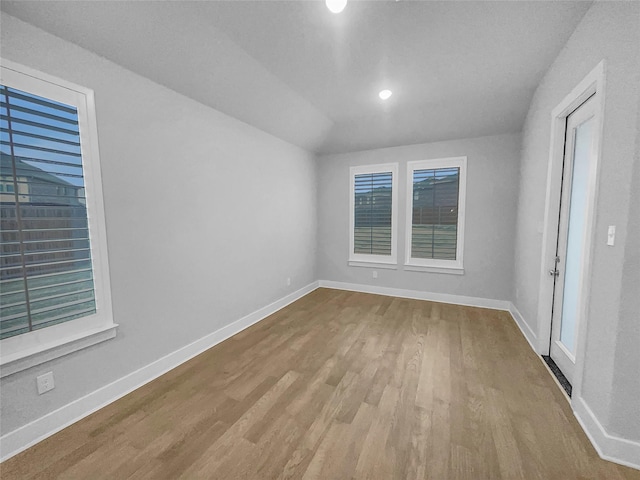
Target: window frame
point(38, 346)
point(429, 264)
point(371, 260)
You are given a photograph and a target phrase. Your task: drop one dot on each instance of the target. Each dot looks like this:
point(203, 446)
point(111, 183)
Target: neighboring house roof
point(447, 189)
point(27, 170)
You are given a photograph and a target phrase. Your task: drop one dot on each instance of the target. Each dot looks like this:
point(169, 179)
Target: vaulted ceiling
point(310, 77)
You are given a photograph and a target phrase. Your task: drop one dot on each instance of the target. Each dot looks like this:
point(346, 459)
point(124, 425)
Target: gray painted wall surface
point(609, 31)
point(492, 175)
point(237, 204)
point(625, 407)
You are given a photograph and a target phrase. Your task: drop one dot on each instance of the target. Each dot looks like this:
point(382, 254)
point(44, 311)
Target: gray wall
point(625, 406)
point(492, 177)
point(178, 177)
point(609, 31)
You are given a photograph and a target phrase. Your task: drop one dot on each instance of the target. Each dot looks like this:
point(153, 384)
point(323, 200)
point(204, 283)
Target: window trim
point(29, 349)
point(427, 264)
point(364, 260)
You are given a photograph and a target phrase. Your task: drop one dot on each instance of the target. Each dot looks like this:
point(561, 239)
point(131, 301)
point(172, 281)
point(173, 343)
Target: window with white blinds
point(45, 271)
point(373, 213)
point(436, 212)
point(48, 245)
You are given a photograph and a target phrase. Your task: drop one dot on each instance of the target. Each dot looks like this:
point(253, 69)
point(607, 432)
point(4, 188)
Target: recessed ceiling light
point(336, 6)
point(384, 94)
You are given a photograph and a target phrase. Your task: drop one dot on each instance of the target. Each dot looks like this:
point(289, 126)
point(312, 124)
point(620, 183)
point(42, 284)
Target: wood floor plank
point(378, 459)
point(339, 385)
point(339, 451)
point(215, 455)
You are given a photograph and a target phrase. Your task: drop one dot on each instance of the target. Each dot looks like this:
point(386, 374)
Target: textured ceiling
point(293, 69)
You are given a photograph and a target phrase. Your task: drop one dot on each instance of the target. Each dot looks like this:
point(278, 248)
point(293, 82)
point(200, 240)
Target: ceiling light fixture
point(385, 94)
point(336, 6)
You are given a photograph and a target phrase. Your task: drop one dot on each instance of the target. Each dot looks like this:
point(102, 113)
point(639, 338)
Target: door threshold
point(562, 380)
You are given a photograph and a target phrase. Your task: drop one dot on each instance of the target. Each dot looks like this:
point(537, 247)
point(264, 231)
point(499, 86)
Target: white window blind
point(372, 228)
point(373, 216)
point(434, 229)
point(435, 209)
point(46, 274)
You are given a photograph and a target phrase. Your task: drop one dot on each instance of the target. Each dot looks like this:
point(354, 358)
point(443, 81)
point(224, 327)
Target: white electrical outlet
point(45, 382)
point(288, 281)
point(375, 274)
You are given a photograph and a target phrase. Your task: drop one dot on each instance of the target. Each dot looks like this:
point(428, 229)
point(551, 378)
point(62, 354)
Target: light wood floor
point(339, 385)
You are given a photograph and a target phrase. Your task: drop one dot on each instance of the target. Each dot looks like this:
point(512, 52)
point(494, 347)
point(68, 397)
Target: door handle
point(554, 272)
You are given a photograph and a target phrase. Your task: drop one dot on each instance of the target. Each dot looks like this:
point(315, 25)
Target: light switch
point(611, 235)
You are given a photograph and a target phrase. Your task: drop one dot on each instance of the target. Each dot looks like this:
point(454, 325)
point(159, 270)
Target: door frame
point(592, 85)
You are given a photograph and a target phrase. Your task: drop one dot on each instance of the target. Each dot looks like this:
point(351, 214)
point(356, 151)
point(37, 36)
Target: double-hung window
point(435, 214)
point(373, 214)
point(54, 279)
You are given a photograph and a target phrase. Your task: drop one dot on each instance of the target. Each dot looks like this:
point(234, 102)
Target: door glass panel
point(575, 239)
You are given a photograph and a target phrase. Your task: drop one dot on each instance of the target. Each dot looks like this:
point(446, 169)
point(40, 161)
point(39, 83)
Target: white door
point(571, 237)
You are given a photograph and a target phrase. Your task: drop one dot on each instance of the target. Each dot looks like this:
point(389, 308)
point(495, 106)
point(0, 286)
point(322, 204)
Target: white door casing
point(592, 85)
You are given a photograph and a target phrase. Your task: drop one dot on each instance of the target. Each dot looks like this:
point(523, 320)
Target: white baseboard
point(609, 447)
point(418, 295)
point(529, 334)
point(22, 438)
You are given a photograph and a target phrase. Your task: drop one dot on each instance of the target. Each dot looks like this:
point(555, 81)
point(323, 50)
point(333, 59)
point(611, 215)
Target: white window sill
point(428, 269)
point(16, 362)
point(388, 266)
